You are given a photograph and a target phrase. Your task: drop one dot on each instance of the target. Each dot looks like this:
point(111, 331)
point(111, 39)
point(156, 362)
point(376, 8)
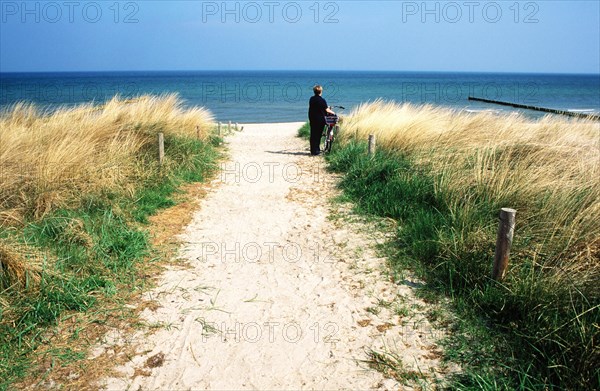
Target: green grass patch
point(92, 251)
point(528, 332)
point(304, 131)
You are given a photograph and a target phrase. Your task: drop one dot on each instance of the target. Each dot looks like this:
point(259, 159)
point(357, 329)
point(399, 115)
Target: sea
point(282, 96)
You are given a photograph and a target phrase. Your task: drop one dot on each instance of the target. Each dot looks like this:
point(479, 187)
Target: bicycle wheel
point(326, 137)
point(334, 131)
point(330, 138)
point(328, 141)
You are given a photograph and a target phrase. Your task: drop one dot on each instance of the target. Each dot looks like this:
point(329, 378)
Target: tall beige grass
point(51, 159)
point(548, 167)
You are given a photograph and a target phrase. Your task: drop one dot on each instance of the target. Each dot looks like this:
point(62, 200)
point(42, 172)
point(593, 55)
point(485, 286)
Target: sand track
point(274, 294)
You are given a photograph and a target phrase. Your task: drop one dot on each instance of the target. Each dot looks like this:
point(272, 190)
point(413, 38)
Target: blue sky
point(502, 36)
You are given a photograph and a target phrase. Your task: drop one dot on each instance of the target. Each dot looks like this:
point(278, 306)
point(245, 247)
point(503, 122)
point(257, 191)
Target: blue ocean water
point(278, 96)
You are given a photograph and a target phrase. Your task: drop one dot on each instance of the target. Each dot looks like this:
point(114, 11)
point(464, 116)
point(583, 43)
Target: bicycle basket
point(331, 119)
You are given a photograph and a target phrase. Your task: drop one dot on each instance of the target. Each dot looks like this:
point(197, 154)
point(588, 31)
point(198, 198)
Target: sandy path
point(276, 295)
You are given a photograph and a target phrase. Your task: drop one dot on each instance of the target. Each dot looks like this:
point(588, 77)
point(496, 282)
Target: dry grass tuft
point(17, 269)
point(462, 168)
point(553, 163)
point(50, 160)
point(74, 185)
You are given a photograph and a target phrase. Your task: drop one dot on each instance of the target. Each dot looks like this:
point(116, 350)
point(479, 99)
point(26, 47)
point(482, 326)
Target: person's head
point(318, 90)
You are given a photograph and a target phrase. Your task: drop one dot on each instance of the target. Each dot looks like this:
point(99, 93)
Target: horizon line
point(302, 70)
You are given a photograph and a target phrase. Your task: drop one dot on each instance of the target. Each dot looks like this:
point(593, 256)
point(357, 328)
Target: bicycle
point(331, 128)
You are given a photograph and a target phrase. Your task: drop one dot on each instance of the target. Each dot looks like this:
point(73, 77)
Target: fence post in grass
point(198, 132)
point(161, 148)
point(371, 144)
point(229, 127)
point(506, 229)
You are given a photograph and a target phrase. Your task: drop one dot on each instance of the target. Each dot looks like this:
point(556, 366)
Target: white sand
point(276, 291)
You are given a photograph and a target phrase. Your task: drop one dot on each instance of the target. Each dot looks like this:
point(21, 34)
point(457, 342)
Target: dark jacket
point(316, 110)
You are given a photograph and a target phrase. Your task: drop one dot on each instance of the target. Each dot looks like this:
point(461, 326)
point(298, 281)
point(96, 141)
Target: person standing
point(317, 109)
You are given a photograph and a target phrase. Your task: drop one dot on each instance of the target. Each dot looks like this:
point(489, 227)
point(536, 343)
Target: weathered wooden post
point(161, 148)
point(198, 132)
point(229, 127)
point(371, 144)
point(237, 127)
point(506, 229)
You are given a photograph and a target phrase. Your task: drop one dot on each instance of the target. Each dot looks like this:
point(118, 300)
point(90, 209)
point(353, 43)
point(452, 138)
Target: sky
point(551, 36)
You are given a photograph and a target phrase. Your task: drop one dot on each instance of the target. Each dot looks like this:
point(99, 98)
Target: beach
point(238, 261)
point(163, 225)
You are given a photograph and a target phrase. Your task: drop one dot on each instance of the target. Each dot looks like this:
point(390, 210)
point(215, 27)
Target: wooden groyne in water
point(554, 111)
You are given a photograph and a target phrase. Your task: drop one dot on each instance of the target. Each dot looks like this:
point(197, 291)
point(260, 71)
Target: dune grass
point(52, 160)
point(77, 186)
point(444, 175)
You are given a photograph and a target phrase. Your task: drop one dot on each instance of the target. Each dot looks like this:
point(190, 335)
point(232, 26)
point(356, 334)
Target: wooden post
point(506, 229)
point(198, 132)
point(229, 127)
point(161, 148)
point(237, 128)
point(371, 144)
